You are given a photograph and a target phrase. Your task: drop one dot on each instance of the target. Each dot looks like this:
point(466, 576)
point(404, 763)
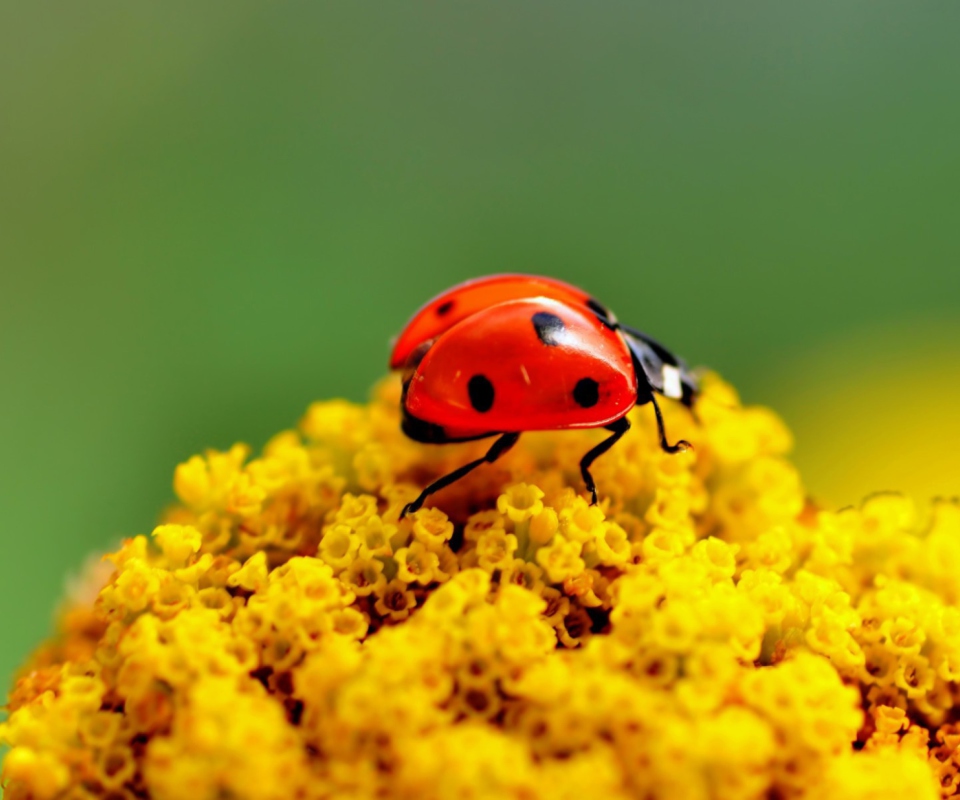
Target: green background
point(213, 213)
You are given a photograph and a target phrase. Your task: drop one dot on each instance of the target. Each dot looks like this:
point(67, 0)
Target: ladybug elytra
point(504, 354)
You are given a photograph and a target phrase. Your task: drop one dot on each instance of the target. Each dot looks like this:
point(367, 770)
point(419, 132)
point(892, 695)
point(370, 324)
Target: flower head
point(705, 631)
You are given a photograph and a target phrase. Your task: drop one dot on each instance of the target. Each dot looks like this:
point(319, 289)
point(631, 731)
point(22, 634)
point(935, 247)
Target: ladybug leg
point(620, 427)
point(680, 446)
point(497, 449)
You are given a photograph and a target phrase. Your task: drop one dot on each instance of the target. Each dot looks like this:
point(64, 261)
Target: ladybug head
point(416, 356)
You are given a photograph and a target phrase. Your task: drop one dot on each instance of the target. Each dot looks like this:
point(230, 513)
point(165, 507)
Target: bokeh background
point(212, 214)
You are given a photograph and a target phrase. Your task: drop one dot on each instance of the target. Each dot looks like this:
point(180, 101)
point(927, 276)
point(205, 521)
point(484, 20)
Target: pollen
point(706, 631)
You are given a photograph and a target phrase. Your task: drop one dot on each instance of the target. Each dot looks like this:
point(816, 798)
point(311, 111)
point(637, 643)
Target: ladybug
point(504, 354)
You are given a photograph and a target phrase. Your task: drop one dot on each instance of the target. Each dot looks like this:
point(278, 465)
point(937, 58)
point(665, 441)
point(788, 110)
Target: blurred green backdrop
point(211, 214)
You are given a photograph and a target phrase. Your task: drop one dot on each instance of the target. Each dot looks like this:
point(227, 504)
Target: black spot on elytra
point(481, 393)
point(444, 308)
point(549, 327)
point(586, 392)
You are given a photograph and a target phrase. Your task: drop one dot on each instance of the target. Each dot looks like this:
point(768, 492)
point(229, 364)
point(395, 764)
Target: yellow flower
point(178, 542)
point(354, 511)
point(480, 522)
point(374, 537)
point(206, 482)
point(252, 575)
point(416, 564)
point(395, 601)
point(495, 549)
point(521, 501)
point(717, 556)
point(223, 743)
point(337, 423)
point(136, 585)
point(914, 675)
point(339, 546)
point(561, 560)
point(363, 576)
point(432, 527)
point(662, 545)
point(525, 574)
point(771, 550)
point(903, 636)
point(580, 522)
point(706, 631)
point(612, 545)
point(39, 773)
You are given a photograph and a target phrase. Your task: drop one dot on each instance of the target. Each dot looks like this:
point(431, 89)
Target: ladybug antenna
point(681, 445)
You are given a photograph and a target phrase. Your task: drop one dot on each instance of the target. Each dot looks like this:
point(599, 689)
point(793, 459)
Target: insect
point(504, 354)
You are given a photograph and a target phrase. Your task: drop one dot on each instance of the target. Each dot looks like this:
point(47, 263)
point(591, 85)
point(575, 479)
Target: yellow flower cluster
point(704, 632)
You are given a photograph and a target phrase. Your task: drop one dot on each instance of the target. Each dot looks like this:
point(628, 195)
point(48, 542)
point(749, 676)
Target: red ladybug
point(504, 354)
